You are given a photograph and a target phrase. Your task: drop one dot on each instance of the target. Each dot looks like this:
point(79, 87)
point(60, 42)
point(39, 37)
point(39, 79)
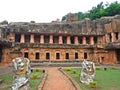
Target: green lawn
point(106, 80)
point(33, 81)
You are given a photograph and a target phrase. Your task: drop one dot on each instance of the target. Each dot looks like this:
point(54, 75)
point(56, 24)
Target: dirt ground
point(6, 69)
point(57, 81)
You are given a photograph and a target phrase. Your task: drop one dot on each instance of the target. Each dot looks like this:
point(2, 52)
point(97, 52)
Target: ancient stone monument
point(88, 72)
point(21, 74)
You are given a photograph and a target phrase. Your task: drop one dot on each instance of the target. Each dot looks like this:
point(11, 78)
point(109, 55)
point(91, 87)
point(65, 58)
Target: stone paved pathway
point(5, 69)
point(57, 81)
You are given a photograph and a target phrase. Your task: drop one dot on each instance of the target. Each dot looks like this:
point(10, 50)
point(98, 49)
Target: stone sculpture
point(88, 72)
point(21, 74)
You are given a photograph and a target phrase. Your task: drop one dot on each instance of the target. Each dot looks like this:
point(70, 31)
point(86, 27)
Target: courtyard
point(106, 79)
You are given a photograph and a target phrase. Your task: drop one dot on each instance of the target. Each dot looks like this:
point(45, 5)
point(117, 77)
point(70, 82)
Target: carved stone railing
point(45, 45)
point(112, 45)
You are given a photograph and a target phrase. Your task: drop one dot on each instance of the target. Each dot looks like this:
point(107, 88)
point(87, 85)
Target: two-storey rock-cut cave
point(97, 40)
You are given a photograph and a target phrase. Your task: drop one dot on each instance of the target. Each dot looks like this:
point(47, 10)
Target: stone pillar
point(103, 39)
point(51, 39)
point(22, 40)
point(113, 37)
point(76, 40)
point(84, 40)
point(60, 40)
point(119, 36)
point(42, 39)
point(32, 38)
point(68, 40)
point(92, 40)
point(107, 38)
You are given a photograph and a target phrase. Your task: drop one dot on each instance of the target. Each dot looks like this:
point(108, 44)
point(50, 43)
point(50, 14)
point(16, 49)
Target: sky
point(43, 10)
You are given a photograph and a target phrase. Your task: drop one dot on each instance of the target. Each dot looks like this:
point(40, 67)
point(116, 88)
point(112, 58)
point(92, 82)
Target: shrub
point(68, 69)
point(113, 67)
point(74, 72)
point(37, 70)
point(97, 68)
point(93, 84)
point(35, 76)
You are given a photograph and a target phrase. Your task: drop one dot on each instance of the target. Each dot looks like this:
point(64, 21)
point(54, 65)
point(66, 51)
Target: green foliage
point(106, 80)
point(63, 18)
point(113, 9)
point(113, 67)
point(68, 69)
point(74, 71)
point(7, 81)
point(98, 68)
point(37, 69)
point(93, 84)
point(99, 11)
point(35, 76)
point(33, 82)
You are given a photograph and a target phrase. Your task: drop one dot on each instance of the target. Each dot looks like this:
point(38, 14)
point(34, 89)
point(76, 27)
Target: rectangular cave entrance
point(26, 54)
point(47, 56)
point(57, 56)
point(118, 55)
point(37, 55)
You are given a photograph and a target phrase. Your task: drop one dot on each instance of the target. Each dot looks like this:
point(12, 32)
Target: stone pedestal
point(21, 67)
point(87, 72)
point(25, 87)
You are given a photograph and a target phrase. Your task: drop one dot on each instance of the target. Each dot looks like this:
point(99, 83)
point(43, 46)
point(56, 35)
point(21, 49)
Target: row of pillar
point(112, 37)
point(68, 40)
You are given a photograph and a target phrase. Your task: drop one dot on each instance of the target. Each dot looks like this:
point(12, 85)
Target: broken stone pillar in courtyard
point(21, 74)
point(88, 72)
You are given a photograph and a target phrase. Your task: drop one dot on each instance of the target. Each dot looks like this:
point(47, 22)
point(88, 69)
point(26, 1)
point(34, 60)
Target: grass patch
point(36, 77)
point(7, 81)
point(106, 80)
